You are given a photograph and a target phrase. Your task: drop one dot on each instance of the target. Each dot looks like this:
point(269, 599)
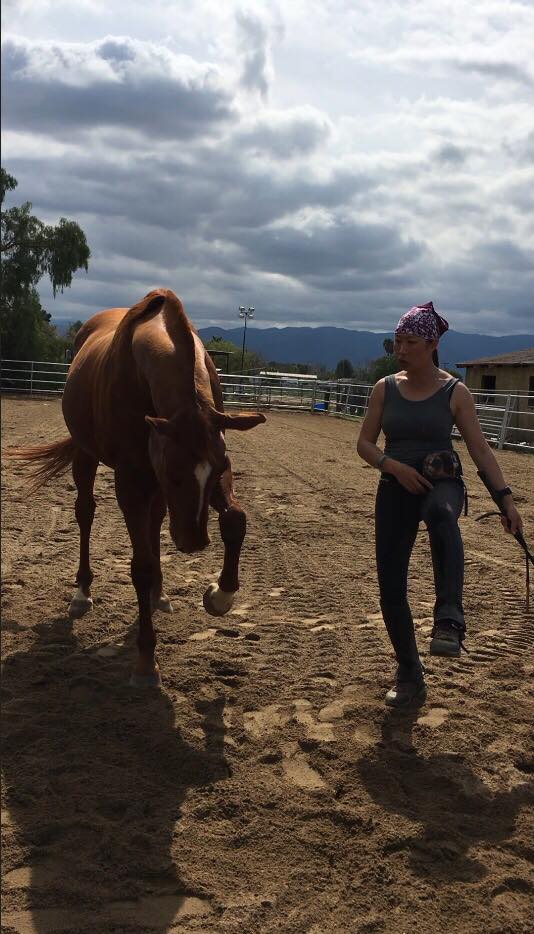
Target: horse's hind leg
point(83, 471)
point(135, 500)
point(219, 597)
point(158, 508)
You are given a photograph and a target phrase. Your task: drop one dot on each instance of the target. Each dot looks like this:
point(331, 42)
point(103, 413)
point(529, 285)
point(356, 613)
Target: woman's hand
point(408, 477)
point(511, 522)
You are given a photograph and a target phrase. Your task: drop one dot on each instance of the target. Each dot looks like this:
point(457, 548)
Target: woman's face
point(412, 351)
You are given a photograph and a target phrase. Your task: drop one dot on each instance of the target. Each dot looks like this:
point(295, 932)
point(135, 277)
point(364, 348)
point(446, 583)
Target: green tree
point(72, 331)
point(252, 360)
point(382, 366)
point(30, 250)
point(344, 370)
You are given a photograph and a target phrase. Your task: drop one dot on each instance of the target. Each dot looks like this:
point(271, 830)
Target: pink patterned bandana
point(422, 321)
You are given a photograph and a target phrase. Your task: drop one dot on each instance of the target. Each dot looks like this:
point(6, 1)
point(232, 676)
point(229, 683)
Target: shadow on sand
point(441, 792)
point(94, 777)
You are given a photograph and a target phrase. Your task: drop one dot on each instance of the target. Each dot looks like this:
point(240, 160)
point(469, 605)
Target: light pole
point(245, 313)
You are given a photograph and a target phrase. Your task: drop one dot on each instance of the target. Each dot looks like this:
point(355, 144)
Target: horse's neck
point(188, 348)
point(166, 365)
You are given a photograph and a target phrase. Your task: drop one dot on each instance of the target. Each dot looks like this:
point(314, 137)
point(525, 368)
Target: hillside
point(328, 345)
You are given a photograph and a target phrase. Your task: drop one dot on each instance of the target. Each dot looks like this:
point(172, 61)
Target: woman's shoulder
point(446, 376)
point(457, 391)
point(386, 381)
point(452, 383)
point(392, 379)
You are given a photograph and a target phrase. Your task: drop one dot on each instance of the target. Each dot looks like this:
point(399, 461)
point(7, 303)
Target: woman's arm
point(367, 448)
point(371, 426)
point(465, 416)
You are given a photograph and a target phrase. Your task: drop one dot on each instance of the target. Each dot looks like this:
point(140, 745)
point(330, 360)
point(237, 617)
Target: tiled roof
point(514, 358)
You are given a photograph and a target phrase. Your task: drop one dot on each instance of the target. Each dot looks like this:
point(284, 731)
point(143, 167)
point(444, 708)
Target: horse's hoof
point(145, 681)
point(164, 605)
point(216, 601)
point(79, 607)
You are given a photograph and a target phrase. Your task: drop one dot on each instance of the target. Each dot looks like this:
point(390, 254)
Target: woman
point(416, 408)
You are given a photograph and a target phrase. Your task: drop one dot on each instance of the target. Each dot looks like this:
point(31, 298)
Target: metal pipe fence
point(33, 376)
point(507, 419)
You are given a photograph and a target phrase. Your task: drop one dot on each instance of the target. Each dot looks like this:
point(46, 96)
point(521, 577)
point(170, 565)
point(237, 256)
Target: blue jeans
point(397, 518)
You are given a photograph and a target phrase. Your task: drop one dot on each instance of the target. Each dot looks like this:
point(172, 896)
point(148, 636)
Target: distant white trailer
point(295, 376)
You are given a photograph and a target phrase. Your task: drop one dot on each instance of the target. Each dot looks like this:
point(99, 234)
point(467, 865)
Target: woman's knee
point(439, 512)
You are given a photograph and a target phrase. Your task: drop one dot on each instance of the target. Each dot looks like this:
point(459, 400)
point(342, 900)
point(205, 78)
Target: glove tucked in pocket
point(442, 465)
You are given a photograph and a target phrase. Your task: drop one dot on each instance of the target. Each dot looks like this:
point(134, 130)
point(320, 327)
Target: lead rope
point(529, 557)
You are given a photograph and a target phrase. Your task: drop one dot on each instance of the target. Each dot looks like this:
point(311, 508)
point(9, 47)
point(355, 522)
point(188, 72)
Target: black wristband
point(506, 491)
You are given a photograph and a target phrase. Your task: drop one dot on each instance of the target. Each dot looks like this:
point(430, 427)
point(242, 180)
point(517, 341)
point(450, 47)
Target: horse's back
point(100, 324)
point(82, 389)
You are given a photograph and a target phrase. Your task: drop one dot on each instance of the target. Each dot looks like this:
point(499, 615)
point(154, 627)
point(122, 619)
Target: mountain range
point(328, 345)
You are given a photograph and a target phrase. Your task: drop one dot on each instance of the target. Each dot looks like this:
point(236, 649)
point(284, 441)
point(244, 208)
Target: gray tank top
point(415, 429)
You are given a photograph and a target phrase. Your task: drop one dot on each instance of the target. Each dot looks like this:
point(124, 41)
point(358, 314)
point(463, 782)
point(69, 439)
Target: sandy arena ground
point(265, 788)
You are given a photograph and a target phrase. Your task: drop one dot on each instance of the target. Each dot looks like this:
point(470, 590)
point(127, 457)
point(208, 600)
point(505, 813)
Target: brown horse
point(143, 397)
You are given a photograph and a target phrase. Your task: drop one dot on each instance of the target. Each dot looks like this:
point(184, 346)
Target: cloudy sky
point(328, 162)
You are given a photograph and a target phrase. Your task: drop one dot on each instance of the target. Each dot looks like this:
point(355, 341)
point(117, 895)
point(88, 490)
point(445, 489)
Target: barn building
point(510, 374)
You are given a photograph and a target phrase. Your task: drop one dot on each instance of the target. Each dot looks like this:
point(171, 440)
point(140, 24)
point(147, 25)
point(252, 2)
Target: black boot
point(447, 638)
point(409, 689)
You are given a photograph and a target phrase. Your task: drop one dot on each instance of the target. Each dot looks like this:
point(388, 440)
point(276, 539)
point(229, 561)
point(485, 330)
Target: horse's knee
point(233, 525)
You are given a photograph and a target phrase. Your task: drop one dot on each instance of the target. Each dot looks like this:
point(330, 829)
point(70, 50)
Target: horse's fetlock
point(84, 579)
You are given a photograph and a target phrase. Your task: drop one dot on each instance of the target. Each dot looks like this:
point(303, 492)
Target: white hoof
point(216, 601)
point(163, 604)
point(145, 681)
point(80, 605)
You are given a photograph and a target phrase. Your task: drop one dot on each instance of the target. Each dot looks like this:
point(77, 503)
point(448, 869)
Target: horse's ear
point(161, 425)
point(241, 422)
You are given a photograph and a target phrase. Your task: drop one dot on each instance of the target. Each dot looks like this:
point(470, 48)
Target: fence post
point(505, 423)
point(314, 393)
point(31, 378)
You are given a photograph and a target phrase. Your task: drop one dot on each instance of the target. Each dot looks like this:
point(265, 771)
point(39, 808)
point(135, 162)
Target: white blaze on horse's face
point(202, 474)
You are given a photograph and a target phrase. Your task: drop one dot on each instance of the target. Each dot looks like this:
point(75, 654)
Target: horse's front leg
point(135, 501)
point(219, 597)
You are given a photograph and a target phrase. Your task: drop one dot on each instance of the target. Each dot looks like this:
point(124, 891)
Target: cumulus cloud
point(63, 87)
point(330, 163)
point(255, 31)
point(284, 134)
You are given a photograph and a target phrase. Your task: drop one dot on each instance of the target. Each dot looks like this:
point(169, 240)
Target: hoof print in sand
point(260, 722)
point(298, 771)
point(434, 717)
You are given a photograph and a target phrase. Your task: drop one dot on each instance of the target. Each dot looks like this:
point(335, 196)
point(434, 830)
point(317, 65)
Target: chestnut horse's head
point(188, 454)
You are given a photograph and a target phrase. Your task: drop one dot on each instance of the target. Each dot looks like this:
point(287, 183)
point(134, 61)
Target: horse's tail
point(54, 459)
